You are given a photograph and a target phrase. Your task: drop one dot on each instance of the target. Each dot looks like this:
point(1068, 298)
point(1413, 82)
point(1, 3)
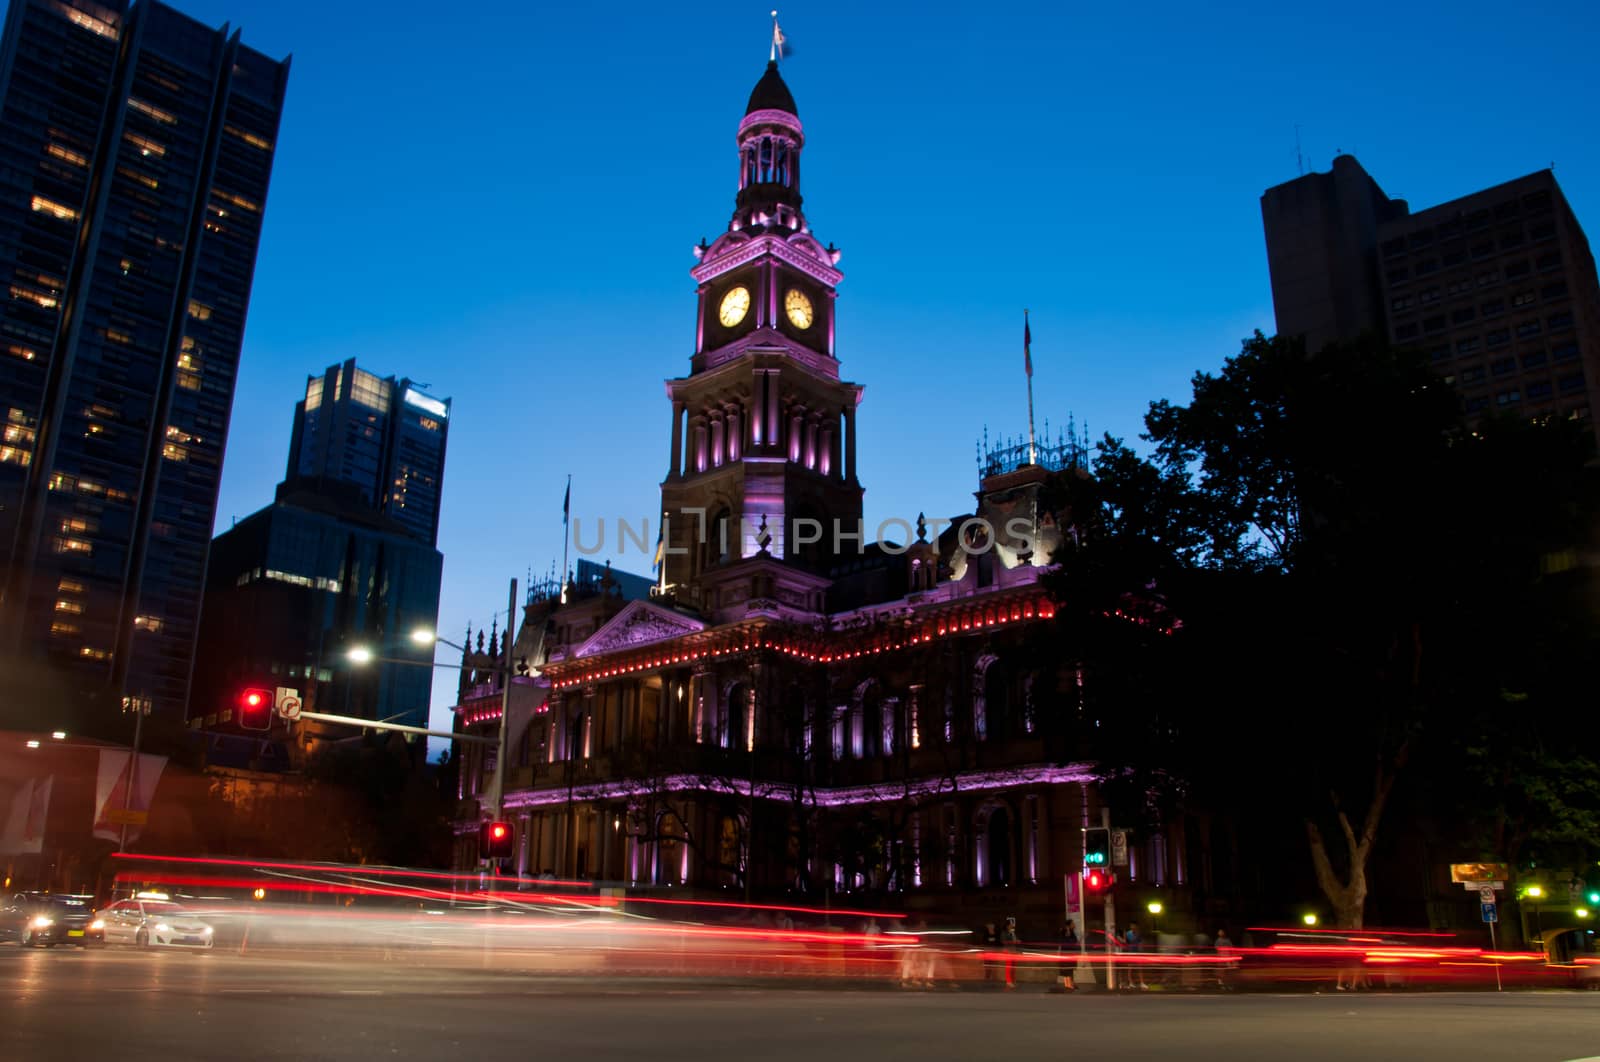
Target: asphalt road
point(126, 1005)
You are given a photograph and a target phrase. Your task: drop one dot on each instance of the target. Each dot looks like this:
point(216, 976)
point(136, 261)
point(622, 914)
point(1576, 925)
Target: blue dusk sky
point(500, 199)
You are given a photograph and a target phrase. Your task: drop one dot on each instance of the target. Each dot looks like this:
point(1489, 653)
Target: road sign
point(288, 702)
point(1119, 848)
point(1486, 892)
point(126, 816)
point(1472, 873)
point(1491, 913)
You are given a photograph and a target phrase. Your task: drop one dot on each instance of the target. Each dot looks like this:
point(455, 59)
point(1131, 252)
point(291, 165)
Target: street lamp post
point(506, 670)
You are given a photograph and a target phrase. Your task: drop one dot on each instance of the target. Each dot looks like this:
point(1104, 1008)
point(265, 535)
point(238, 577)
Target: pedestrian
point(1012, 944)
point(914, 962)
point(991, 944)
point(1132, 943)
point(1069, 946)
point(1224, 946)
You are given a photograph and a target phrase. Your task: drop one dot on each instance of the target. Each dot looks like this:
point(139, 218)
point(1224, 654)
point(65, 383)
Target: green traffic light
point(1594, 898)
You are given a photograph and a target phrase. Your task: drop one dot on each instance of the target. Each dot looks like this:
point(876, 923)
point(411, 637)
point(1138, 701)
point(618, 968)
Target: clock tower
point(762, 468)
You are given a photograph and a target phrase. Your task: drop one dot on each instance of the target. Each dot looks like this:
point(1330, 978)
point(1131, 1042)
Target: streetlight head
point(59, 735)
point(423, 636)
point(360, 655)
point(1154, 907)
point(1309, 919)
point(1535, 891)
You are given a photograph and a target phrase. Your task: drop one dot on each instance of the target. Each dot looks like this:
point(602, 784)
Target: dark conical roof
point(771, 94)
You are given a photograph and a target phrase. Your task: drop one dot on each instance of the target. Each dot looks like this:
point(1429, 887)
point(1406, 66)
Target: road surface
point(129, 1005)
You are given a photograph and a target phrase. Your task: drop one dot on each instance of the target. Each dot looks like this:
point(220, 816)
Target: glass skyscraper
point(136, 146)
point(383, 436)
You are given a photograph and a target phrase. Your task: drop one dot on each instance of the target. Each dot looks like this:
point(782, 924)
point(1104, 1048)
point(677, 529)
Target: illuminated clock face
point(735, 304)
point(798, 307)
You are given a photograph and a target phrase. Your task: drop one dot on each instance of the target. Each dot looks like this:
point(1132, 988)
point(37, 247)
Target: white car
point(151, 923)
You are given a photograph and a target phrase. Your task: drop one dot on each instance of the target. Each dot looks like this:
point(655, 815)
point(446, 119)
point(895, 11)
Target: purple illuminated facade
point(787, 717)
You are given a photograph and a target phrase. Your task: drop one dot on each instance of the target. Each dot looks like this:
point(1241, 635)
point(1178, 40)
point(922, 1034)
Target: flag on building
point(27, 817)
point(781, 48)
point(120, 801)
point(1027, 345)
point(566, 503)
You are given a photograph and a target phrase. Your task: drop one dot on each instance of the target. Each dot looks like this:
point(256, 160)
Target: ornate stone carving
point(638, 624)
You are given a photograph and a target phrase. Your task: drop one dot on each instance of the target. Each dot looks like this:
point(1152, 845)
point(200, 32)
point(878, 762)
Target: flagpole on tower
point(1027, 364)
point(777, 40)
point(566, 537)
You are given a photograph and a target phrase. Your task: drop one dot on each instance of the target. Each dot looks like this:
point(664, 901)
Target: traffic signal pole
point(375, 724)
point(1111, 916)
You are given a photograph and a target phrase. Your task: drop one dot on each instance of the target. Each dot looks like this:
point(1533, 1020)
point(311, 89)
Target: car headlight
point(98, 923)
point(162, 927)
point(41, 922)
point(206, 931)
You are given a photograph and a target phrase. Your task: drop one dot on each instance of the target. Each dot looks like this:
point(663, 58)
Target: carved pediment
point(640, 623)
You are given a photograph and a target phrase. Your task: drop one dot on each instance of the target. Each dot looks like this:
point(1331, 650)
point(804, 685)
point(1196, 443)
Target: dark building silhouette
point(1498, 287)
point(343, 557)
point(137, 146)
point(293, 587)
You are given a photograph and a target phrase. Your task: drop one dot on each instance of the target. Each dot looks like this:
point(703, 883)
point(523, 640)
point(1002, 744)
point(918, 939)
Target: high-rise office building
point(294, 587)
point(1498, 287)
point(344, 556)
point(385, 437)
point(136, 146)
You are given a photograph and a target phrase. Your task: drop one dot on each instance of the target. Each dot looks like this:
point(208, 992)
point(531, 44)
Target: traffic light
point(255, 709)
point(1097, 847)
point(494, 840)
point(1096, 880)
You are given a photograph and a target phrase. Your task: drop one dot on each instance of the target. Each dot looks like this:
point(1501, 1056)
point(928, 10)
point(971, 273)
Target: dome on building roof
point(771, 94)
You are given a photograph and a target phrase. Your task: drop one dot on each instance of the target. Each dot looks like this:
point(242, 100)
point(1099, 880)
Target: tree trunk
point(1349, 896)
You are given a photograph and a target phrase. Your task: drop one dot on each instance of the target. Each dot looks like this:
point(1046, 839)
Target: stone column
point(675, 465)
point(825, 462)
point(772, 409)
point(797, 445)
point(716, 437)
point(699, 438)
point(850, 442)
point(735, 433)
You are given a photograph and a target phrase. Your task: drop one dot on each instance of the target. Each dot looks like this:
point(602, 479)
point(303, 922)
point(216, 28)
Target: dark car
point(40, 919)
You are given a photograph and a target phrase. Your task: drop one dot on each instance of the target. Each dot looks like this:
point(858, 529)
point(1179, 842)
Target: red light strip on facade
point(959, 621)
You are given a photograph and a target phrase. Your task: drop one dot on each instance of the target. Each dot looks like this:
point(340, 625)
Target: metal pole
point(1111, 916)
point(1495, 947)
point(133, 770)
point(374, 724)
point(505, 707)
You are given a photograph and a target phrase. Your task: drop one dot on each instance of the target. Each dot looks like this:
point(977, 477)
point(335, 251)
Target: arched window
point(796, 721)
point(982, 716)
point(736, 729)
point(993, 850)
point(997, 700)
point(865, 720)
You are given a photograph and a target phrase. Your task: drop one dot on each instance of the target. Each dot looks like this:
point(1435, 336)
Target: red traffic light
point(494, 840)
point(255, 709)
point(1096, 880)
